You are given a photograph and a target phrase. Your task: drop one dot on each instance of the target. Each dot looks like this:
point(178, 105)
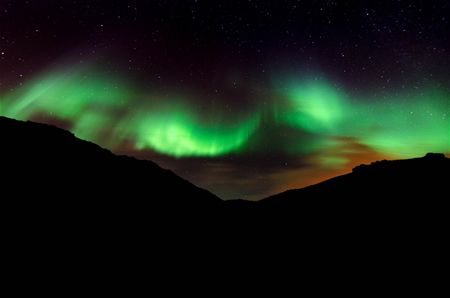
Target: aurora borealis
point(284, 103)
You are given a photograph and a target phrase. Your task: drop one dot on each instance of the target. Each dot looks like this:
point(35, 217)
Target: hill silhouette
point(406, 179)
point(70, 205)
point(53, 162)
point(58, 170)
point(55, 184)
point(381, 195)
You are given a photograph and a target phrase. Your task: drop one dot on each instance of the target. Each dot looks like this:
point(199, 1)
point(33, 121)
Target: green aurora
point(177, 131)
point(98, 105)
point(402, 125)
point(109, 110)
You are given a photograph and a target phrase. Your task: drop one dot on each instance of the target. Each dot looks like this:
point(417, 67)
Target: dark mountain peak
point(435, 156)
point(388, 165)
point(58, 189)
point(381, 183)
point(57, 168)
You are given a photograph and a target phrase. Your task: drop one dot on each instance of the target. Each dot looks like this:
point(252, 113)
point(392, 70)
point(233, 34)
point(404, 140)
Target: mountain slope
point(56, 171)
point(426, 175)
point(410, 192)
point(70, 205)
point(54, 166)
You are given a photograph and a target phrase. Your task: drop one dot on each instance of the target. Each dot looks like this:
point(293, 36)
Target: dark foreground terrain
point(69, 202)
point(47, 170)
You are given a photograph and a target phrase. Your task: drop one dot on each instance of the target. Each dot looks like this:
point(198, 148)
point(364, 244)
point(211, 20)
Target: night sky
point(244, 98)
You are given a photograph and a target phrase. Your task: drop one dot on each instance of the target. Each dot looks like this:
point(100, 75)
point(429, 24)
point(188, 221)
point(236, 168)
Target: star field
point(244, 98)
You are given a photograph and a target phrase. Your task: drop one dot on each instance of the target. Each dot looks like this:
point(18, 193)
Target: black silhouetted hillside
point(76, 209)
point(397, 180)
point(50, 171)
point(411, 192)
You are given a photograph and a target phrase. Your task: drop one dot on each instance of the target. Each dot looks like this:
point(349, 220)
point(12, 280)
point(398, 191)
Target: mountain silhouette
point(58, 170)
point(53, 162)
point(379, 188)
point(70, 205)
point(54, 180)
